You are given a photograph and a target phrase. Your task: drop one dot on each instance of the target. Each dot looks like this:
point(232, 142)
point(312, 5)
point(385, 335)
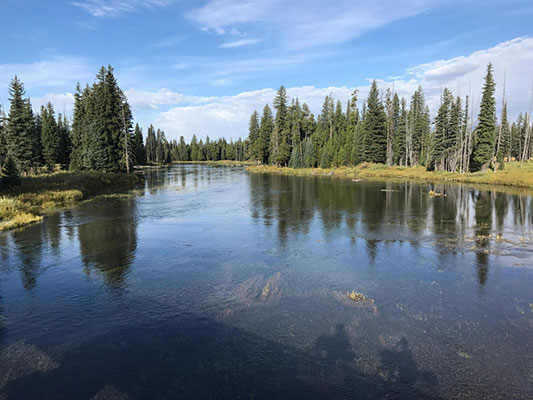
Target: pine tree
point(419, 129)
point(195, 151)
point(3, 149)
point(401, 136)
point(139, 151)
point(49, 136)
point(19, 135)
point(309, 156)
point(150, 145)
point(442, 132)
point(253, 135)
point(375, 130)
point(265, 130)
point(10, 173)
point(77, 133)
point(279, 147)
point(486, 128)
point(183, 150)
point(506, 142)
point(64, 144)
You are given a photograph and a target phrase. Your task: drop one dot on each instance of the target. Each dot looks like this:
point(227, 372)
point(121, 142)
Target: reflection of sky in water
point(226, 284)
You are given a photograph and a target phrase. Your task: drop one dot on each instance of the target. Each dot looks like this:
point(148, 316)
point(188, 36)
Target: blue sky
point(203, 66)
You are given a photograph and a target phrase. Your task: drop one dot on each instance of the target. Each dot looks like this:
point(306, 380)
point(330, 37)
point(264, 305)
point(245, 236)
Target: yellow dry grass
point(38, 194)
point(513, 174)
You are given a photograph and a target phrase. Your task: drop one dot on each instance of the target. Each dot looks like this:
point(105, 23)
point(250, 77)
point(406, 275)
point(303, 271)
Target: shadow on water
point(201, 358)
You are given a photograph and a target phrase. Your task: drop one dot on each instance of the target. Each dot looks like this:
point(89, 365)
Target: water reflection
point(387, 211)
point(29, 245)
point(108, 245)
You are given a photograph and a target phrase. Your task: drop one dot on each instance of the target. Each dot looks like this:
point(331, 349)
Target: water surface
point(215, 283)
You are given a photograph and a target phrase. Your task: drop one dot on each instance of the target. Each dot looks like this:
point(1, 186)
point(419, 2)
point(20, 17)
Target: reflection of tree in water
point(501, 206)
point(28, 243)
point(519, 208)
point(109, 244)
point(4, 250)
point(483, 218)
point(52, 227)
point(378, 211)
point(2, 318)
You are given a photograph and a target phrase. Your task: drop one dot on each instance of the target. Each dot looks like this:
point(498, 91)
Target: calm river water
point(215, 283)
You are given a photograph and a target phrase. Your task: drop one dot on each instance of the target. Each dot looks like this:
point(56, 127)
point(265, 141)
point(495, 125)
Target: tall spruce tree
point(20, 132)
point(375, 129)
point(253, 135)
point(77, 133)
point(49, 136)
point(3, 149)
point(64, 143)
point(139, 151)
point(265, 130)
point(486, 128)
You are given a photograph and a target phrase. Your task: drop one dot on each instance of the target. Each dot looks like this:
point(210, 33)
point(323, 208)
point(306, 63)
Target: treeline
point(100, 136)
point(389, 131)
point(159, 150)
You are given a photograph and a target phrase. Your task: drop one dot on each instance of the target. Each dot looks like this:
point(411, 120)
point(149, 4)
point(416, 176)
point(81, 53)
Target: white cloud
point(239, 43)
point(228, 115)
point(114, 8)
point(63, 102)
point(140, 99)
point(60, 72)
point(305, 25)
point(217, 15)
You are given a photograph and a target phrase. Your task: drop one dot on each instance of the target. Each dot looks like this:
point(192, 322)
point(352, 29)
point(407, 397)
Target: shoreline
point(514, 175)
point(219, 162)
point(42, 194)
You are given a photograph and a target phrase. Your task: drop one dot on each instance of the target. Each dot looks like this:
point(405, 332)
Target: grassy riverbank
point(513, 175)
point(39, 194)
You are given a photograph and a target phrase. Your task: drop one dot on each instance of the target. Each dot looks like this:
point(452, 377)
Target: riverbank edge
point(43, 194)
point(513, 175)
point(219, 162)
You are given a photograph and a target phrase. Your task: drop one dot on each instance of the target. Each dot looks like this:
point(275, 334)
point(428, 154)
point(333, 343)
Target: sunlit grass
point(514, 174)
point(38, 194)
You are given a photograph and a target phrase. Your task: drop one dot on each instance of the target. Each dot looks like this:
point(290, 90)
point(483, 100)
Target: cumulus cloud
point(228, 115)
point(140, 99)
point(63, 102)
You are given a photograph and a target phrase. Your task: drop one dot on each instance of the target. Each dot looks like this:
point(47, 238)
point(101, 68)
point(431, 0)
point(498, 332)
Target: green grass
point(24, 204)
point(513, 174)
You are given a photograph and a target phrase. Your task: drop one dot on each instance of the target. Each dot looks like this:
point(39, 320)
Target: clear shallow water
point(213, 283)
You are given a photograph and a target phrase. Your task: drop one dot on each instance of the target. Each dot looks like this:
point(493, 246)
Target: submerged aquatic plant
point(356, 296)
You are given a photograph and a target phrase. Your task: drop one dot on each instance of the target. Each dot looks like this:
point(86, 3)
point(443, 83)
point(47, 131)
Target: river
point(216, 283)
